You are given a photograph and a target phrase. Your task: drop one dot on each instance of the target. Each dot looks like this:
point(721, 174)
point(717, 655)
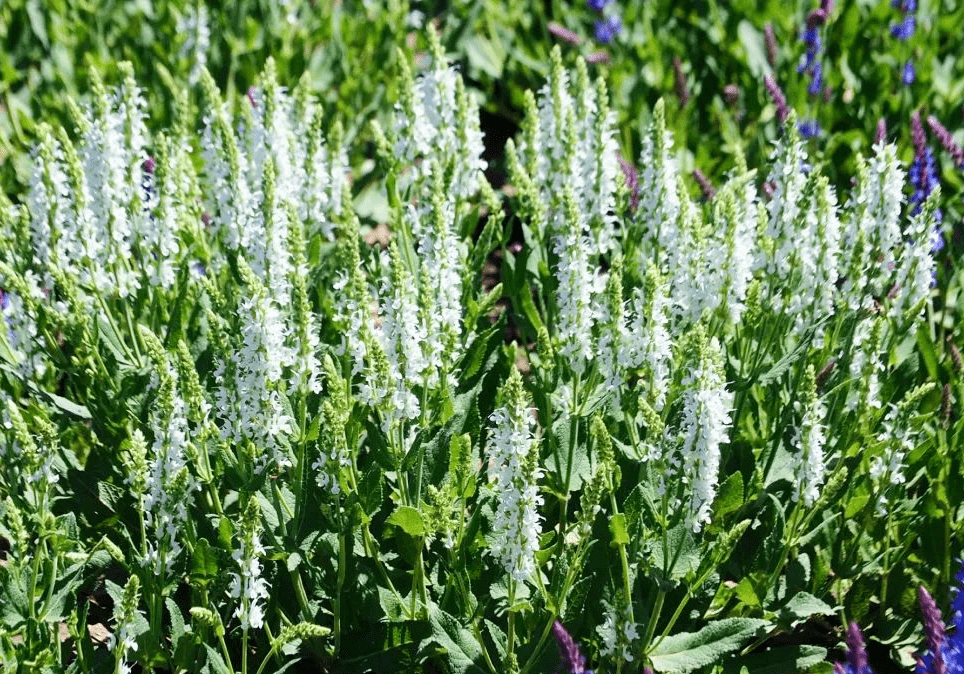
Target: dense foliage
point(455, 364)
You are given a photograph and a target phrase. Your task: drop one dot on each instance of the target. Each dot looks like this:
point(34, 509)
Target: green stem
point(342, 556)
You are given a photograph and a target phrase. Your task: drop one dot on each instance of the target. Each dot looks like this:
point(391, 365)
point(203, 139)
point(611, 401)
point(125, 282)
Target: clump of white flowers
point(123, 640)
point(808, 440)
point(167, 482)
point(619, 636)
point(250, 400)
point(514, 471)
point(247, 586)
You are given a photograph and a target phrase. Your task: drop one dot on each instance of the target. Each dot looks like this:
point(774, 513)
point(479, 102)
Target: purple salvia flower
point(572, 660)
point(816, 79)
point(922, 174)
point(944, 136)
point(779, 100)
point(705, 185)
point(731, 94)
point(597, 5)
point(809, 128)
point(909, 73)
point(932, 662)
point(563, 33)
point(957, 601)
point(599, 57)
point(917, 133)
point(631, 174)
point(905, 29)
point(771, 44)
point(606, 29)
point(816, 18)
point(679, 81)
point(856, 654)
point(881, 134)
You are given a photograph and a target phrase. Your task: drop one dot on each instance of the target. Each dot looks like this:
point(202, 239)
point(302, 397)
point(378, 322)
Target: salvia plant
point(239, 437)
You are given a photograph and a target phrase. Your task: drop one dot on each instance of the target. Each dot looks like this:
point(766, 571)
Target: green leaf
point(483, 55)
point(204, 563)
point(778, 660)
point(803, 605)
point(110, 338)
point(459, 644)
point(746, 593)
point(752, 41)
point(177, 620)
point(729, 498)
point(409, 520)
point(617, 527)
point(215, 663)
point(689, 651)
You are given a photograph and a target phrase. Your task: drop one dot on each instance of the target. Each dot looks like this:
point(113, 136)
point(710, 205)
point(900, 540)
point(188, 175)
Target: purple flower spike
point(771, 44)
point(563, 33)
point(880, 137)
point(599, 57)
point(608, 28)
point(917, 133)
point(905, 29)
point(809, 128)
point(779, 100)
point(909, 74)
point(731, 94)
point(597, 5)
point(705, 185)
point(679, 82)
point(817, 17)
point(934, 629)
point(957, 604)
point(572, 660)
point(944, 136)
point(856, 653)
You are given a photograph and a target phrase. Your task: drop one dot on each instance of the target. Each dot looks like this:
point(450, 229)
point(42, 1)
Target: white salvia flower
point(657, 216)
point(513, 473)
point(872, 232)
point(113, 152)
point(914, 275)
point(403, 338)
point(196, 27)
point(123, 640)
point(21, 325)
point(247, 585)
point(897, 439)
point(169, 484)
point(49, 205)
point(865, 365)
point(437, 122)
point(619, 635)
point(442, 256)
point(805, 231)
point(569, 143)
point(696, 266)
point(230, 199)
point(705, 426)
point(577, 284)
point(614, 343)
point(808, 441)
point(649, 345)
point(251, 382)
point(819, 248)
point(736, 213)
